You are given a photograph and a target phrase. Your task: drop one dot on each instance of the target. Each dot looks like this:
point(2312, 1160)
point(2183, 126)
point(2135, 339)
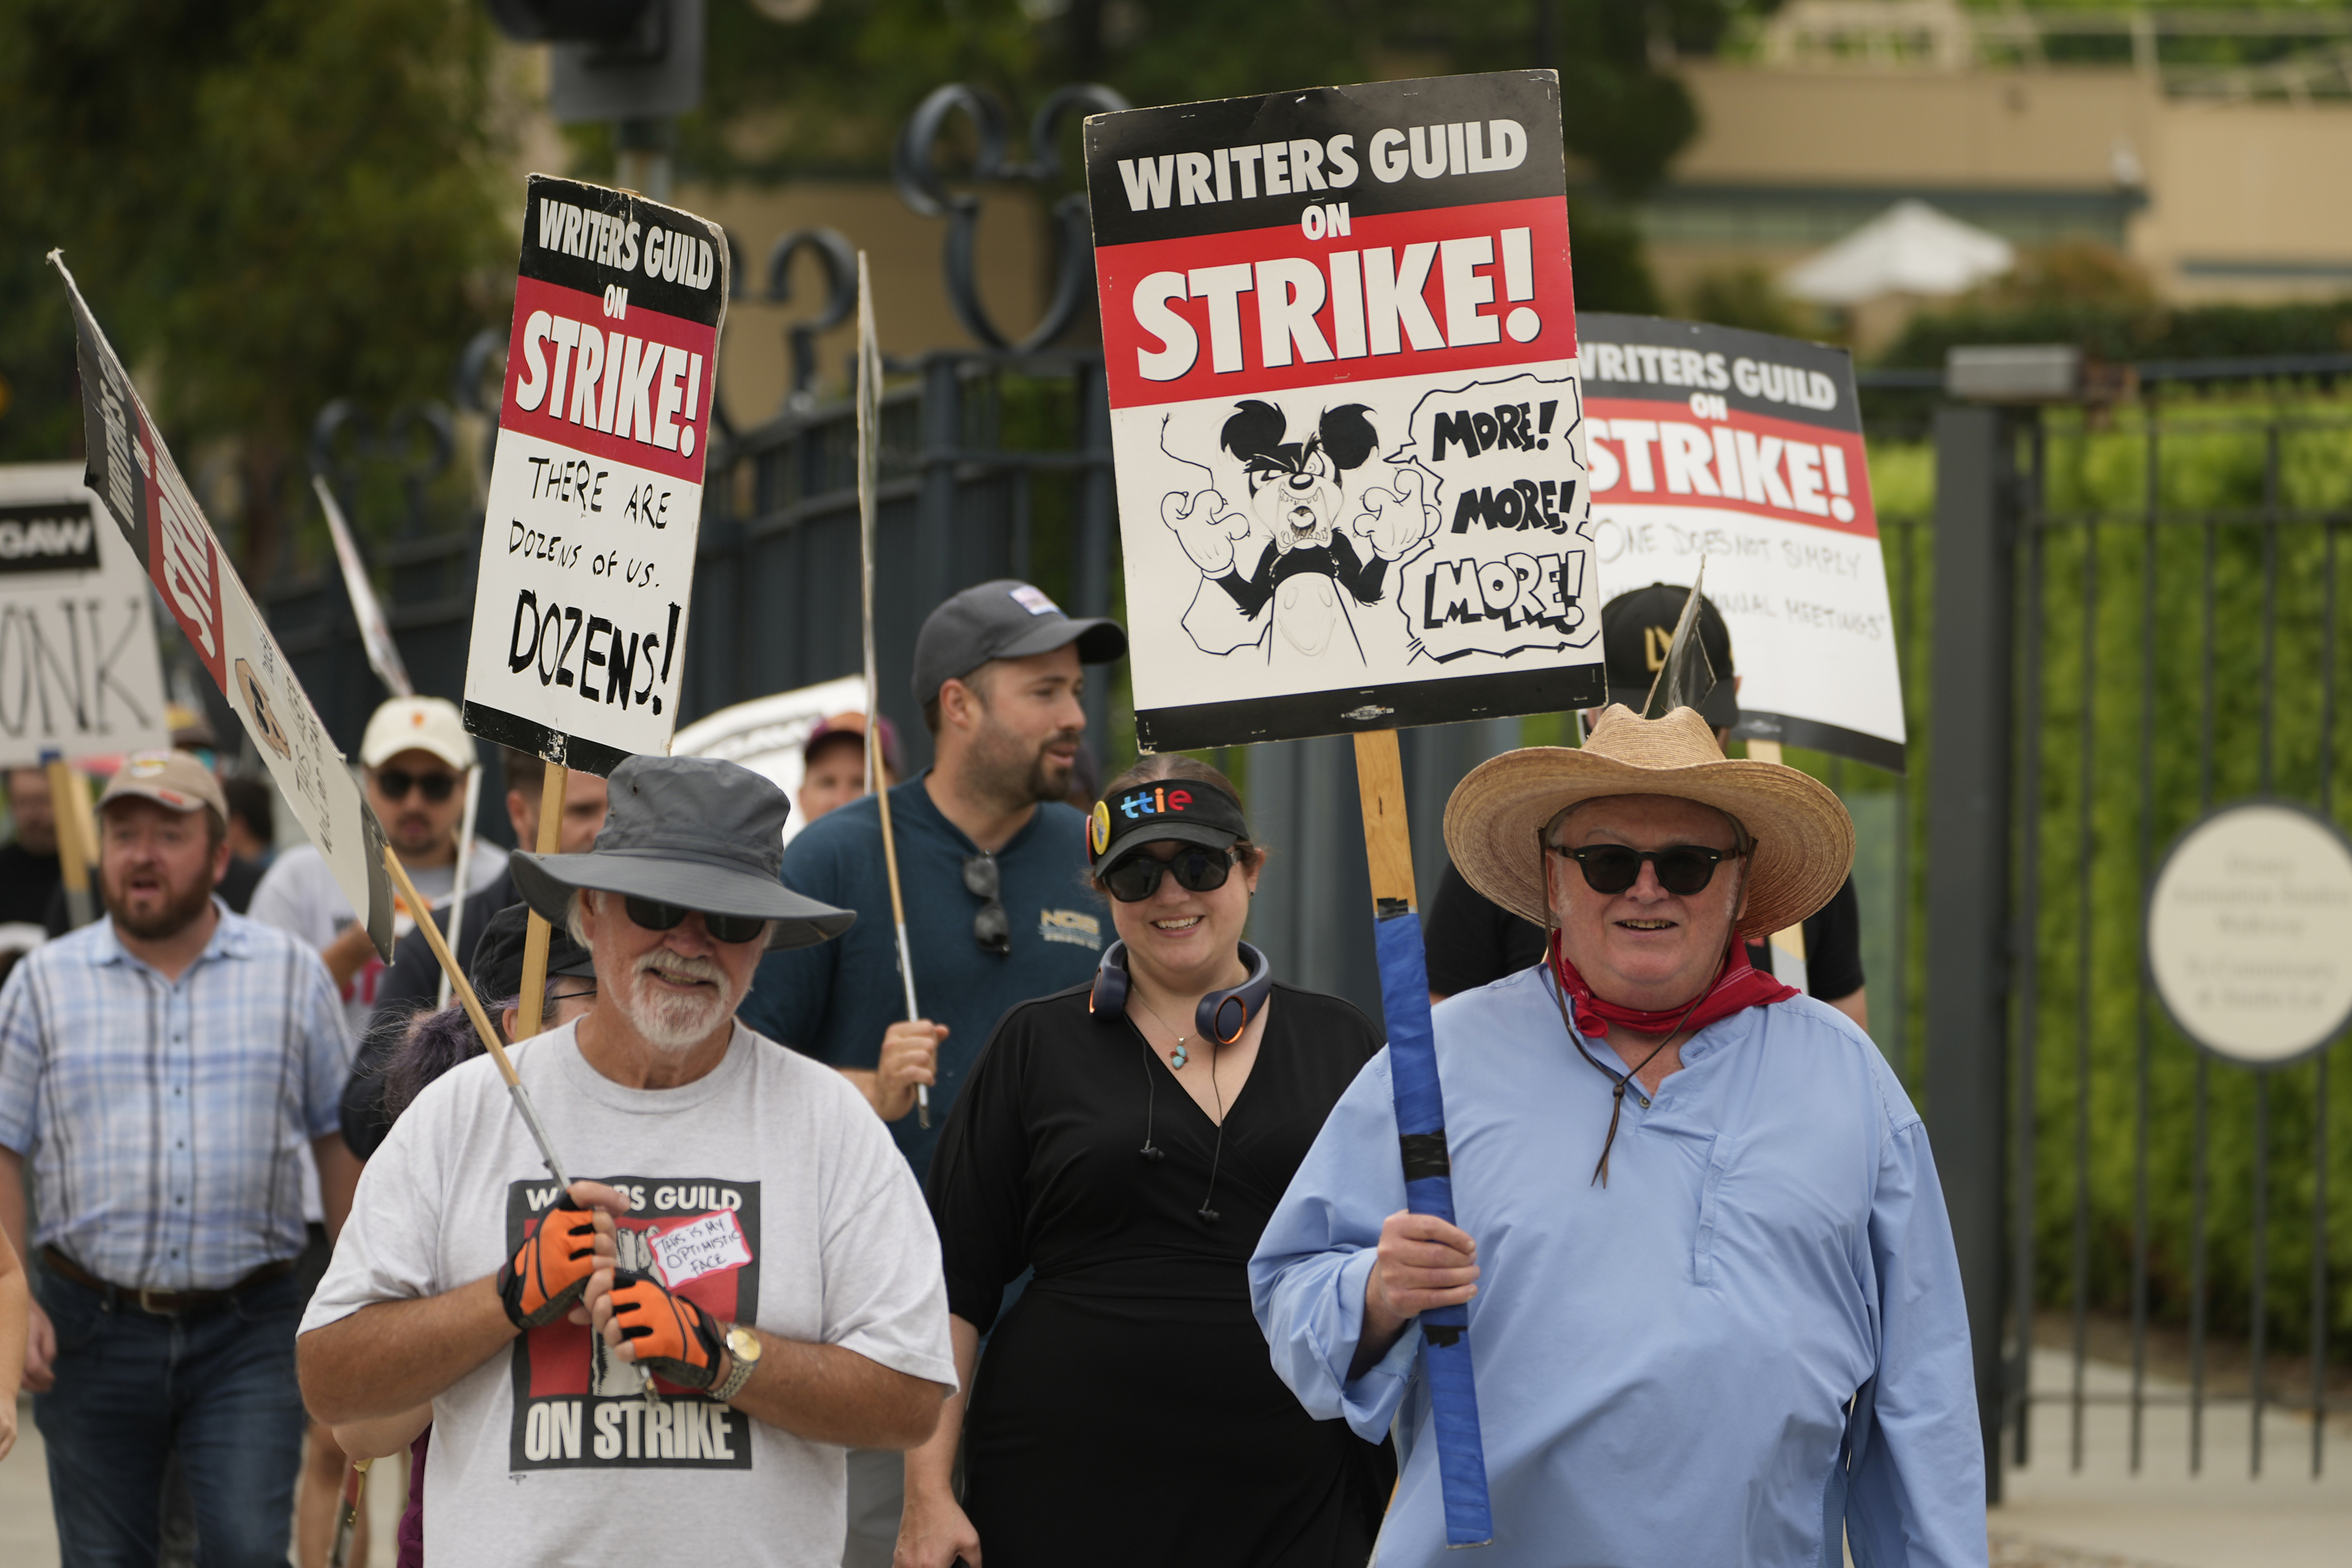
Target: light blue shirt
point(164, 1120)
point(1663, 1364)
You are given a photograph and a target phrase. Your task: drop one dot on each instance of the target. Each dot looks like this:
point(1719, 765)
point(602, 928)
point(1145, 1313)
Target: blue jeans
point(132, 1387)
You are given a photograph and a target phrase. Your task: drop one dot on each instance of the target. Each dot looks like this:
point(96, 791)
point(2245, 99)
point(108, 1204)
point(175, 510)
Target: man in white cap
point(1714, 1312)
point(752, 1238)
point(161, 1071)
point(413, 763)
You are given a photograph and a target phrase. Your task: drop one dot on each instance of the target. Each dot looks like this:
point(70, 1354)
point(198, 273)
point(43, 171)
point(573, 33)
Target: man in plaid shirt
point(160, 1072)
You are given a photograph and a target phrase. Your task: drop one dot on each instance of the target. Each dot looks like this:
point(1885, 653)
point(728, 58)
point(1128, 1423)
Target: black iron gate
point(2136, 619)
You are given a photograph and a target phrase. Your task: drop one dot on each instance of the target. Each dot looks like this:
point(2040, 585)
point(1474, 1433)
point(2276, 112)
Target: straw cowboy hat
point(1804, 839)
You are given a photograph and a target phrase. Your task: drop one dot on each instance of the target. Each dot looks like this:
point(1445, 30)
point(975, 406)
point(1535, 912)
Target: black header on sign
point(586, 237)
point(50, 535)
point(1388, 147)
point(1753, 372)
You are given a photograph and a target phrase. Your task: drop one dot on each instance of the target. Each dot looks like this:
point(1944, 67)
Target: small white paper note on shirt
point(708, 1244)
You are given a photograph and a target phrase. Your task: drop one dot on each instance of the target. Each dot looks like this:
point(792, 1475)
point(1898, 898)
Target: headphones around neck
point(1221, 1015)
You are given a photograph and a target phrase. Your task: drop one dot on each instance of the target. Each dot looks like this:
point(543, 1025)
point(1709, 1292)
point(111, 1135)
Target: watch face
point(744, 1344)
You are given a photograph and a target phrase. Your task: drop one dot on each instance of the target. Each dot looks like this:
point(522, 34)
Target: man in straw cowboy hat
point(677, 1354)
point(1714, 1309)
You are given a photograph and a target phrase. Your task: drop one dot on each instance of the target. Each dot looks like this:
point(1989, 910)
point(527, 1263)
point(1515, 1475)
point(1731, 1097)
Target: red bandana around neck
point(1738, 985)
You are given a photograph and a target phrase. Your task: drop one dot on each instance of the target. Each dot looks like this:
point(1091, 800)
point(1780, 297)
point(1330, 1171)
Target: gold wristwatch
point(743, 1346)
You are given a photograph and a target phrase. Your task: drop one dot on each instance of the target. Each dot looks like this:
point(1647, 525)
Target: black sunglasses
point(991, 928)
point(1137, 877)
point(1683, 869)
point(657, 916)
point(396, 783)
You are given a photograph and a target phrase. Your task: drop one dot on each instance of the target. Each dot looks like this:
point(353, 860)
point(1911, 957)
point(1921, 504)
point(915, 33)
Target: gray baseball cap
point(692, 831)
point(1004, 620)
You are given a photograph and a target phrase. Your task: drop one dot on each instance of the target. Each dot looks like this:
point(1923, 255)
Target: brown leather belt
point(163, 1303)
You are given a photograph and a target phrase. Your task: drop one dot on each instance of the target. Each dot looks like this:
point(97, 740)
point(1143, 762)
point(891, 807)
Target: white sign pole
point(375, 631)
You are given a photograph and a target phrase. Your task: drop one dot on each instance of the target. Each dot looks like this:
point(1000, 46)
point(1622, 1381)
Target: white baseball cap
point(418, 723)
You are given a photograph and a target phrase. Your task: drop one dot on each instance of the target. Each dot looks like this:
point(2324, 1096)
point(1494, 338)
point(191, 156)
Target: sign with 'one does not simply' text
point(1340, 336)
point(596, 494)
point(80, 672)
point(1746, 449)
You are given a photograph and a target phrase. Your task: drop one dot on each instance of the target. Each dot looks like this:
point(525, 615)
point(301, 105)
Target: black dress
point(1127, 1408)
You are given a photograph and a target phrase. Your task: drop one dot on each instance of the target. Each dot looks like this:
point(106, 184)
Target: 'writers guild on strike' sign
point(595, 494)
point(1341, 339)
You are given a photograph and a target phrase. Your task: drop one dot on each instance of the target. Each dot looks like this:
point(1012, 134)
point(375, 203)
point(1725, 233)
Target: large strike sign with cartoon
point(1340, 339)
point(1746, 449)
point(595, 494)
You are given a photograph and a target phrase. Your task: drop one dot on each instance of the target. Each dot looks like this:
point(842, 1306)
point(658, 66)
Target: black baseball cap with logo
point(1004, 620)
point(1157, 811)
point(1637, 628)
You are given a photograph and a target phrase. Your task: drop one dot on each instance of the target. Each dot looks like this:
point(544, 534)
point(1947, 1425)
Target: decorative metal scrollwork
point(417, 442)
point(923, 187)
point(838, 258)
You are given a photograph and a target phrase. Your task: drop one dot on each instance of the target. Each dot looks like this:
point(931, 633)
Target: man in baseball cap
point(756, 1271)
point(412, 764)
point(158, 1070)
point(991, 864)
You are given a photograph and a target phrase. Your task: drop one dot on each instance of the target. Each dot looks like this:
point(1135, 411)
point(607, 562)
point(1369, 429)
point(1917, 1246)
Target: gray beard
point(676, 1025)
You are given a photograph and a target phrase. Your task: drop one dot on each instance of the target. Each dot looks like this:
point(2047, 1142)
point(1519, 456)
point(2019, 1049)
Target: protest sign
point(595, 494)
point(1340, 343)
point(1746, 449)
point(80, 672)
point(132, 472)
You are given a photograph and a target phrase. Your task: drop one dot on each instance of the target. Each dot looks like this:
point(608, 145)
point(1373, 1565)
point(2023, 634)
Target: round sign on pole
point(2248, 931)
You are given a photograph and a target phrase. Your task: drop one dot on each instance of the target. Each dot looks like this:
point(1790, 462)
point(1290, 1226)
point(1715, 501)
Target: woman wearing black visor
point(1129, 1140)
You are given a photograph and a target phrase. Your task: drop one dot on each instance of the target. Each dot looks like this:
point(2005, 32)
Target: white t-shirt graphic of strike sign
point(591, 1473)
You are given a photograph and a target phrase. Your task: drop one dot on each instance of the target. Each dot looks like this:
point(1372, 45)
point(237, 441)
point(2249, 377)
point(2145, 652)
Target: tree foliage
point(270, 203)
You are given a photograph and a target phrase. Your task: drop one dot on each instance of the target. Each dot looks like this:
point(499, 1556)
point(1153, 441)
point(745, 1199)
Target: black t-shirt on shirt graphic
point(1472, 941)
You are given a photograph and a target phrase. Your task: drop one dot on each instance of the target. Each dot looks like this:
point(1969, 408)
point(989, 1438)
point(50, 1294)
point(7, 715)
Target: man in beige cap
point(1714, 1308)
point(161, 1071)
point(413, 763)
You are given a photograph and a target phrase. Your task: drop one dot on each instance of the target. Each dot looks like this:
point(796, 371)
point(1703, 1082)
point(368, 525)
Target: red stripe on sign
point(1336, 298)
point(181, 558)
point(1749, 462)
point(634, 387)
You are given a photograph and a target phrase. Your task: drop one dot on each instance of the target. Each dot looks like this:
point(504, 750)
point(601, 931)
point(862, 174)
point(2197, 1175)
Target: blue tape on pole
point(1445, 1337)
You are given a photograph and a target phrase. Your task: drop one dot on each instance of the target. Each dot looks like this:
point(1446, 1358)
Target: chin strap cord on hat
point(1619, 1080)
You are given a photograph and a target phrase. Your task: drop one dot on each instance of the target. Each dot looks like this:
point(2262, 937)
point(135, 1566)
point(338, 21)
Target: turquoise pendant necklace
point(1180, 1056)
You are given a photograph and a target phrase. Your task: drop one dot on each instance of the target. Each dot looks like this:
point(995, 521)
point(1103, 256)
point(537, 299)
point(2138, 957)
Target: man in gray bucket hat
point(751, 1287)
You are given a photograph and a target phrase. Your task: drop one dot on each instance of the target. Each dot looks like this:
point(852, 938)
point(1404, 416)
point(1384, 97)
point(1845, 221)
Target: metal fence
point(2136, 620)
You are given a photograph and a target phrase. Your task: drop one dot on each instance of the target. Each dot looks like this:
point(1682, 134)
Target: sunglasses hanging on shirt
point(991, 928)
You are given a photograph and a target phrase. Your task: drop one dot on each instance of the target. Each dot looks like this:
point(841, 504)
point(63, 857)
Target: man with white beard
point(793, 1305)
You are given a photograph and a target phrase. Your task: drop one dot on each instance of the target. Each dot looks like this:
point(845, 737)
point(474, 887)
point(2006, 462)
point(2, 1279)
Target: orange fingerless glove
point(551, 1269)
point(669, 1335)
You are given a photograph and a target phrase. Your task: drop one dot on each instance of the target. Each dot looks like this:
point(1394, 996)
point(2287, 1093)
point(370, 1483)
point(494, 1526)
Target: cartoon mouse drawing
point(1313, 544)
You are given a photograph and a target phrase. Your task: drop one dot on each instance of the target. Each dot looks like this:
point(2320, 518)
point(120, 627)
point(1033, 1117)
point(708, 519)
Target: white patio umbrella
point(1909, 248)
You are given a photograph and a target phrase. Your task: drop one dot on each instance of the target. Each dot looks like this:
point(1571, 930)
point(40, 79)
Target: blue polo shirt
point(833, 1002)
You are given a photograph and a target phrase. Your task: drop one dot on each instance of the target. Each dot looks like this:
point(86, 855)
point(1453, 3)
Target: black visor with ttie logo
point(1161, 810)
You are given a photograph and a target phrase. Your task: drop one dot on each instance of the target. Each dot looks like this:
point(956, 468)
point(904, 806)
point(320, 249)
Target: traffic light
point(613, 59)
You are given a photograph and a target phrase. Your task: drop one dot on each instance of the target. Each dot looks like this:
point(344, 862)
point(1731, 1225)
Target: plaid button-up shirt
point(164, 1120)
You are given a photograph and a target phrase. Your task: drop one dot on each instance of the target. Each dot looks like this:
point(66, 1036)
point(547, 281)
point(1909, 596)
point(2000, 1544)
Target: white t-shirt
point(299, 895)
point(767, 1191)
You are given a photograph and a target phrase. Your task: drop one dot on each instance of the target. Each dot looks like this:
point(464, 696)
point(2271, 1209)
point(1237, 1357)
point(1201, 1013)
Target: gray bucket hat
point(693, 832)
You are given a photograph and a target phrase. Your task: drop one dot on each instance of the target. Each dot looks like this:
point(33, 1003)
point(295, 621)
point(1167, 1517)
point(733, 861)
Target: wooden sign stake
point(536, 937)
point(76, 850)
